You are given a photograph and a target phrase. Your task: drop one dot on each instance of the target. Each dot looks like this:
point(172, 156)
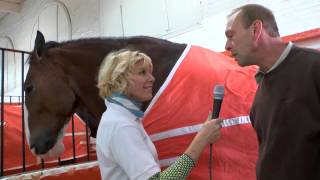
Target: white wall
point(10, 64)
point(293, 16)
point(312, 43)
point(148, 17)
point(200, 22)
point(58, 20)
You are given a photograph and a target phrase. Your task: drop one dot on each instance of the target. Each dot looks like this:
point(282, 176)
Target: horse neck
point(81, 70)
point(84, 61)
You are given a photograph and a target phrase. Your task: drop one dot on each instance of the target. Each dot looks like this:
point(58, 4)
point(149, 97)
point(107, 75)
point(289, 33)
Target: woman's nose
point(151, 77)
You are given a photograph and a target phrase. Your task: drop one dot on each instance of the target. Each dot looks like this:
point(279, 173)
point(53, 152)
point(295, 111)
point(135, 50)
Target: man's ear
point(257, 27)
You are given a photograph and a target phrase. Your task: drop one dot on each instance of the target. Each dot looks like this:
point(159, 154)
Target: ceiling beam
point(9, 7)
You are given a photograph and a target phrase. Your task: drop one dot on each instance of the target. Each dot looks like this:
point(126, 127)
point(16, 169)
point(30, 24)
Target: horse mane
point(116, 41)
point(112, 41)
point(52, 44)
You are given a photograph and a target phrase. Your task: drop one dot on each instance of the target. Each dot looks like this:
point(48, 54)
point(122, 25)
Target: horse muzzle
point(47, 147)
point(42, 145)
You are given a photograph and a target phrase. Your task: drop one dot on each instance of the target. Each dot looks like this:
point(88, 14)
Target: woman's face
point(140, 82)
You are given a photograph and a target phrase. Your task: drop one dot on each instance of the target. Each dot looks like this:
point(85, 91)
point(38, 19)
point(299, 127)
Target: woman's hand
point(208, 134)
point(211, 129)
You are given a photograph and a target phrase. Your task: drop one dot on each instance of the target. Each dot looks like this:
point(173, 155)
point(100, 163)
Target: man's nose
point(228, 46)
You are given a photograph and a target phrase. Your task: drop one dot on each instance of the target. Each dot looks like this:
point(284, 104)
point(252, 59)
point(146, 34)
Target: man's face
point(239, 40)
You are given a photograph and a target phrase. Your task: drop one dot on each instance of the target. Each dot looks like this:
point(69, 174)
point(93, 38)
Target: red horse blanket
point(182, 104)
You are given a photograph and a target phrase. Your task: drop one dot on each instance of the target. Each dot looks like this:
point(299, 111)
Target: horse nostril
point(43, 145)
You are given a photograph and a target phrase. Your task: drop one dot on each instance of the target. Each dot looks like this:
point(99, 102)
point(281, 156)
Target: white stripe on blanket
point(168, 80)
point(195, 128)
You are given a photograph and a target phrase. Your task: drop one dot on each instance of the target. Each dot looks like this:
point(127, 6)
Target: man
point(286, 109)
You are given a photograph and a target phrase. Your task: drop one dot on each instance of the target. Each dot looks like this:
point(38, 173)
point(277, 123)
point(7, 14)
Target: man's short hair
point(252, 12)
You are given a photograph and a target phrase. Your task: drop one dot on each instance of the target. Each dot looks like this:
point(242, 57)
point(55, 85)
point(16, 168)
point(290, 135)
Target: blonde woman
point(124, 149)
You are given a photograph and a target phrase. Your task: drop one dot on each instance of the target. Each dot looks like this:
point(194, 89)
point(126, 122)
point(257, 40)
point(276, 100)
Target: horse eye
point(28, 89)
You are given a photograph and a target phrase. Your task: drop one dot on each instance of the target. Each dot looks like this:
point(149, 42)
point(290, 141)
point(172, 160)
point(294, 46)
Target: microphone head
point(218, 91)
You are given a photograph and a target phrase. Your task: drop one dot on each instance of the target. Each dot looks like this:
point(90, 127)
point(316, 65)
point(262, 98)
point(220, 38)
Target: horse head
point(49, 101)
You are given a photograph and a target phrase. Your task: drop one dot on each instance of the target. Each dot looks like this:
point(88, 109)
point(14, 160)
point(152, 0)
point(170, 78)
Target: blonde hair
point(114, 69)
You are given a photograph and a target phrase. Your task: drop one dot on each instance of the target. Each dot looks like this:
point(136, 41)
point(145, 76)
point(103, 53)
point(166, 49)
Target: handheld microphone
point(218, 93)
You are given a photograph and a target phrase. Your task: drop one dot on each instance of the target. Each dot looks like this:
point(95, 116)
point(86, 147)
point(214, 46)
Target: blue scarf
point(131, 105)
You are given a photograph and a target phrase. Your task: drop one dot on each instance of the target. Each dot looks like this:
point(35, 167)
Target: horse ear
point(39, 44)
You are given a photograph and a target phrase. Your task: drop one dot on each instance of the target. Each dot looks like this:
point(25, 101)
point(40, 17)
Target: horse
point(61, 80)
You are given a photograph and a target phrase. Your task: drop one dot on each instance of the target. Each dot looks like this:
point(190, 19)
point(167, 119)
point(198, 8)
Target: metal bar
point(13, 50)
point(2, 111)
point(22, 115)
point(73, 140)
point(42, 164)
point(87, 139)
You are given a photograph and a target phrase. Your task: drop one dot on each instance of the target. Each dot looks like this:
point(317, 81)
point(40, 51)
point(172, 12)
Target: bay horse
point(62, 80)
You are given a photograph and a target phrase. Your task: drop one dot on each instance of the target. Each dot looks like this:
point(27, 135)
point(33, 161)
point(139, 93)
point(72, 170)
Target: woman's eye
point(142, 72)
